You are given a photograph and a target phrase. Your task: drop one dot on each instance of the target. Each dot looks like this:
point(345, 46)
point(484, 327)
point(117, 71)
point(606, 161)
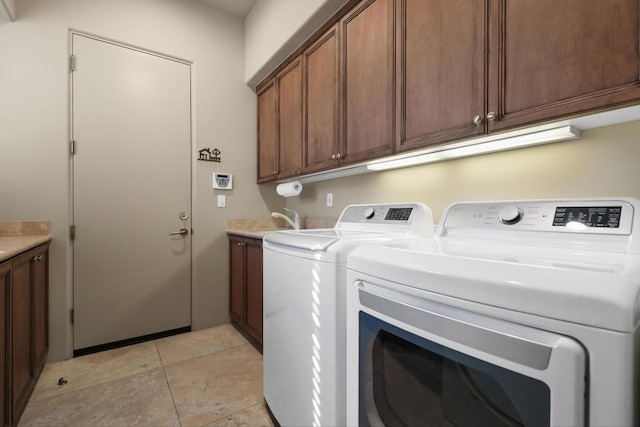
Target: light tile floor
point(205, 378)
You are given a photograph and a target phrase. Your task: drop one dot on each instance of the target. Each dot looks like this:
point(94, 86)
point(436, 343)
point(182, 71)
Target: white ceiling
point(239, 8)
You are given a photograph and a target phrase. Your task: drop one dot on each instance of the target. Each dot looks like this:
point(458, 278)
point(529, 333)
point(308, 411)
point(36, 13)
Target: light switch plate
point(222, 200)
point(329, 200)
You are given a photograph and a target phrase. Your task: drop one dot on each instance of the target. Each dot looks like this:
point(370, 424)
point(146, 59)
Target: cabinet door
point(267, 167)
point(22, 355)
point(253, 324)
point(321, 100)
point(289, 119)
point(41, 306)
point(441, 70)
point(236, 280)
point(368, 54)
point(5, 283)
point(553, 58)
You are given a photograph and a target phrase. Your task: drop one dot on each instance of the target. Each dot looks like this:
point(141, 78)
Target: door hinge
point(72, 63)
point(72, 316)
point(72, 147)
point(72, 232)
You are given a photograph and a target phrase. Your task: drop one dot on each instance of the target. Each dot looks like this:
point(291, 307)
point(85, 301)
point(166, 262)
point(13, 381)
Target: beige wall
point(603, 163)
point(34, 129)
point(275, 28)
point(7, 11)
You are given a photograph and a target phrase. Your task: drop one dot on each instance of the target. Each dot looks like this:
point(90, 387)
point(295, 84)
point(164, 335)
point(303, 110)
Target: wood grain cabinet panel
point(40, 306)
point(441, 77)
point(236, 279)
point(5, 285)
point(267, 168)
point(245, 287)
point(253, 319)
point(289, 120)
point(23, 369)
point(368, 60)
point(321, 141)
point(553, 58)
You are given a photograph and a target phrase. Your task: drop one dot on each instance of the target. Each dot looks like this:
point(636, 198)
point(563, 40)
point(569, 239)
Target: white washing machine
point(516, 313)
point(304, 285)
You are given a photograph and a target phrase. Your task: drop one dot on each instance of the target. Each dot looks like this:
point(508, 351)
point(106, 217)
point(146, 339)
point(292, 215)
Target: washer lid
point(600, 289)
point(315, 239)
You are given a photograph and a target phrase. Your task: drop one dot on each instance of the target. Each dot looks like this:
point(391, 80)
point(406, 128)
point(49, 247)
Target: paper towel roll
point(289, 189)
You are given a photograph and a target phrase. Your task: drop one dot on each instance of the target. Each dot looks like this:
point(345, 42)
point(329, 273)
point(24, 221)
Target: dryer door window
point(414, 382)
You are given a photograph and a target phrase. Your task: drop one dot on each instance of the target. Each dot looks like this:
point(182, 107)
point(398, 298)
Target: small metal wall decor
point(209, 155)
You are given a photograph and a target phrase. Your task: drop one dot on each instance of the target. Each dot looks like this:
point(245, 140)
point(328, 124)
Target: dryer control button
point(510, 215)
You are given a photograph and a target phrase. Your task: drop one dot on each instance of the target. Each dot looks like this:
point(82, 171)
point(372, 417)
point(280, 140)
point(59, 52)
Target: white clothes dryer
point(516, 313)
point(304, 325)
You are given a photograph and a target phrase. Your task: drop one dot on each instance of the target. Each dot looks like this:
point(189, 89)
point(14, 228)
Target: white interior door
point(131, 119)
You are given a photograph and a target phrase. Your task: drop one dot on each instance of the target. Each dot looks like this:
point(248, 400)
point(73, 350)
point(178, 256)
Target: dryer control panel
point(595, 216)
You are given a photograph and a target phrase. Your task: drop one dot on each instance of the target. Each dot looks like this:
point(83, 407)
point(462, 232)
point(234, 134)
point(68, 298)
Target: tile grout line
point(164, 372)
point(203, 355)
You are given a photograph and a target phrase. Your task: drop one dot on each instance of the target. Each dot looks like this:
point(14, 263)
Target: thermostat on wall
point(222, 181)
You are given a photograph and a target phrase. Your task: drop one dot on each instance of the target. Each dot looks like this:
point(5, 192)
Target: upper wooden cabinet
point(551, 58)
point(280, 125)
point(267, 166)
point(395, 75)
point(322, 141)
point(441, 77)
point(289, 89)
point(368, 61)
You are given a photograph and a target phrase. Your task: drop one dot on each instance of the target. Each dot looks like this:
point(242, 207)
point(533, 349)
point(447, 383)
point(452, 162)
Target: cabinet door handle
point(477, 120)
point(333, 156)
point(338, 156)
point(491, 116)
point(38, 258)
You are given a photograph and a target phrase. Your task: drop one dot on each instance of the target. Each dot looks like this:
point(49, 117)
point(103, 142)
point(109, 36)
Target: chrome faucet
point(296, 218)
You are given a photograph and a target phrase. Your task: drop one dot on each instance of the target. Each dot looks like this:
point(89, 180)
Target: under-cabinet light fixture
point(480, 146)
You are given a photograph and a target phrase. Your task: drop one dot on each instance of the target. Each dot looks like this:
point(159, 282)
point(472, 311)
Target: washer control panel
point(397, 214)
point(596, 216)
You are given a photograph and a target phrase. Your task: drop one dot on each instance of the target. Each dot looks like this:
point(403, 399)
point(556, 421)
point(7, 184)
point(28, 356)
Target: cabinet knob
point(338, 156)
point(477, 120)
point(333, 156)
point(274, 173)
point(38, 258)
point(491, 116)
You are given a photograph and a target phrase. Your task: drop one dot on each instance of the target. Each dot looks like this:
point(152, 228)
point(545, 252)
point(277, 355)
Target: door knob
point(181, 232)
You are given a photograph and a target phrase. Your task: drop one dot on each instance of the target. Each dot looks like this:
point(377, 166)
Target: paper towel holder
point(289, 189)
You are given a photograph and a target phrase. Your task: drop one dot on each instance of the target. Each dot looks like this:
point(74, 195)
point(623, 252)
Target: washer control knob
point(369, 213)
point(510, 215)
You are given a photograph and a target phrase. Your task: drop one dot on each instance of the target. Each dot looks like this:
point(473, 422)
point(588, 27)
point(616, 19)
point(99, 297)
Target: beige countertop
point(20, 236)
point(254, 228)
point(253, 233)
point(258, 228)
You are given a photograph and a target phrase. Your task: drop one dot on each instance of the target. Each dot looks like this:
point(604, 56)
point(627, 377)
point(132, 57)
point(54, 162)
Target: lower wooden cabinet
point(245, 287)
point(24, 286)
point(5, 284)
